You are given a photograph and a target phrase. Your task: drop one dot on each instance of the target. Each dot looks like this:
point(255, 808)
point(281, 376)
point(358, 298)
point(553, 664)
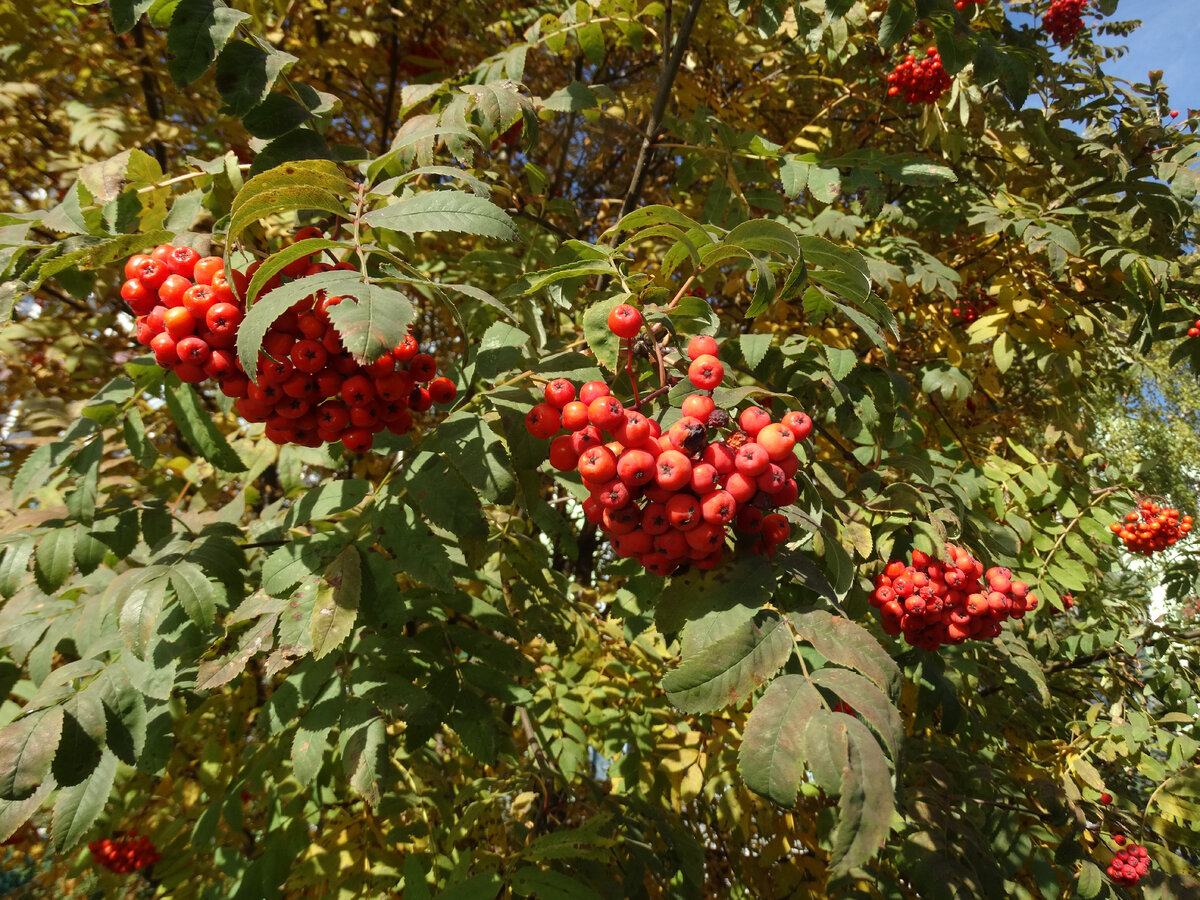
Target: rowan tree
point(682, 449)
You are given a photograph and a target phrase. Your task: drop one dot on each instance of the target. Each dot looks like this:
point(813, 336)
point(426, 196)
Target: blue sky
point(1167, 40)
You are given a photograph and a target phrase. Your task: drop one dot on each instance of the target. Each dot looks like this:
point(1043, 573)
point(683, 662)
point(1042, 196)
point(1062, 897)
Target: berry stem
point(637, 403)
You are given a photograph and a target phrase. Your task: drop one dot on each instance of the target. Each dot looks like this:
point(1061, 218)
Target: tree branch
point(665, 83)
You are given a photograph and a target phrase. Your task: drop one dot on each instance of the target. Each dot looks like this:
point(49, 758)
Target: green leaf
point(575, 97)
point(15, 813)
point(195, 592)
point(362, 740)
point(533, 882)
point(848, 644)
point(199, 30)
point(771, 759)
point(440, 211)
point(142, 593)
point(199, 430)
point(125, 717)
point(764, 236)
point(415, 886)
point(868, 701)
point(754, 347)
point(337, 602)
point(725, 672)
point(282, 258)
point(897, 21)
point(212, 674)
point(81, 502)
point(375, 323)
point(477, 452)
point(1091, 880)
point(719, 602)
point(299, 145)
point(125, 13)
point(479, 887)
point(53, 558)
point(600, 339)
point(246, 73)
point(326, 500)
point(275, 116)
point(77, 808)
point(283, 199)
point(865, 799)
point(842, 271)
point(27, 750)
point(262, 315)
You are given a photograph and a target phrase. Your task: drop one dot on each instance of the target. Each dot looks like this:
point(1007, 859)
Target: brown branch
point(150, 90)
point(385, 133)
point(665, 83)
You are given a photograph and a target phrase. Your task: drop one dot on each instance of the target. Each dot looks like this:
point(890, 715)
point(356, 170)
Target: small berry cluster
point(125, 854)
point(963, 4)
point(919, 82)
point(1064, 20)
point(308, 389)
point(187, 312)
point(973, 301)
point(668, 497)
point(1155, 529)
point(934, 602)
point(1194, 331)
point(1130, 864)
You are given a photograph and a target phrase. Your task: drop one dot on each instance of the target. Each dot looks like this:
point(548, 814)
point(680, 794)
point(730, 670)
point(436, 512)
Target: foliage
point(304, 672)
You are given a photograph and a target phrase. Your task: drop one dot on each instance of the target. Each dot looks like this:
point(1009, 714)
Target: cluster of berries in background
point(973, 301)
point(1064, 20)
point(669, 497)
point(920, 81)
point(125, 854)
point(1194, 331)
point(308, 390)
point(934, 602)
point(1151, 528)
point(1129, 864)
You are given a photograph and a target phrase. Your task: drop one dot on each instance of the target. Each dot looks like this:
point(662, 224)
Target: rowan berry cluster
point(1194, 331)
point(1064, 20)
point(1151, 528)
point(934, 602)
point(973, 301)
point(125, 854)
point(1130, 864)
point(668, 498)
point(308, 389)
point(919, 81)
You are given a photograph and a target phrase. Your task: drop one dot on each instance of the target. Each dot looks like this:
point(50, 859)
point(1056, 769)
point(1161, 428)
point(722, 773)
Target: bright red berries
point(624, 321)
point(963, 4)
point(1106, 798)
point(125, 854)
point(934, 602)
point(669, 499)
point(308, 390)
point(1194, 331)
point(1064, 20)
point(1129, 865)
point(1152, 528)
point(706, 372)
point(921, 81)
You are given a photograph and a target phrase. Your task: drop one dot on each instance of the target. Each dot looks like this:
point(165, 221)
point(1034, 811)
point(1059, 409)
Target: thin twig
point(666, 82)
